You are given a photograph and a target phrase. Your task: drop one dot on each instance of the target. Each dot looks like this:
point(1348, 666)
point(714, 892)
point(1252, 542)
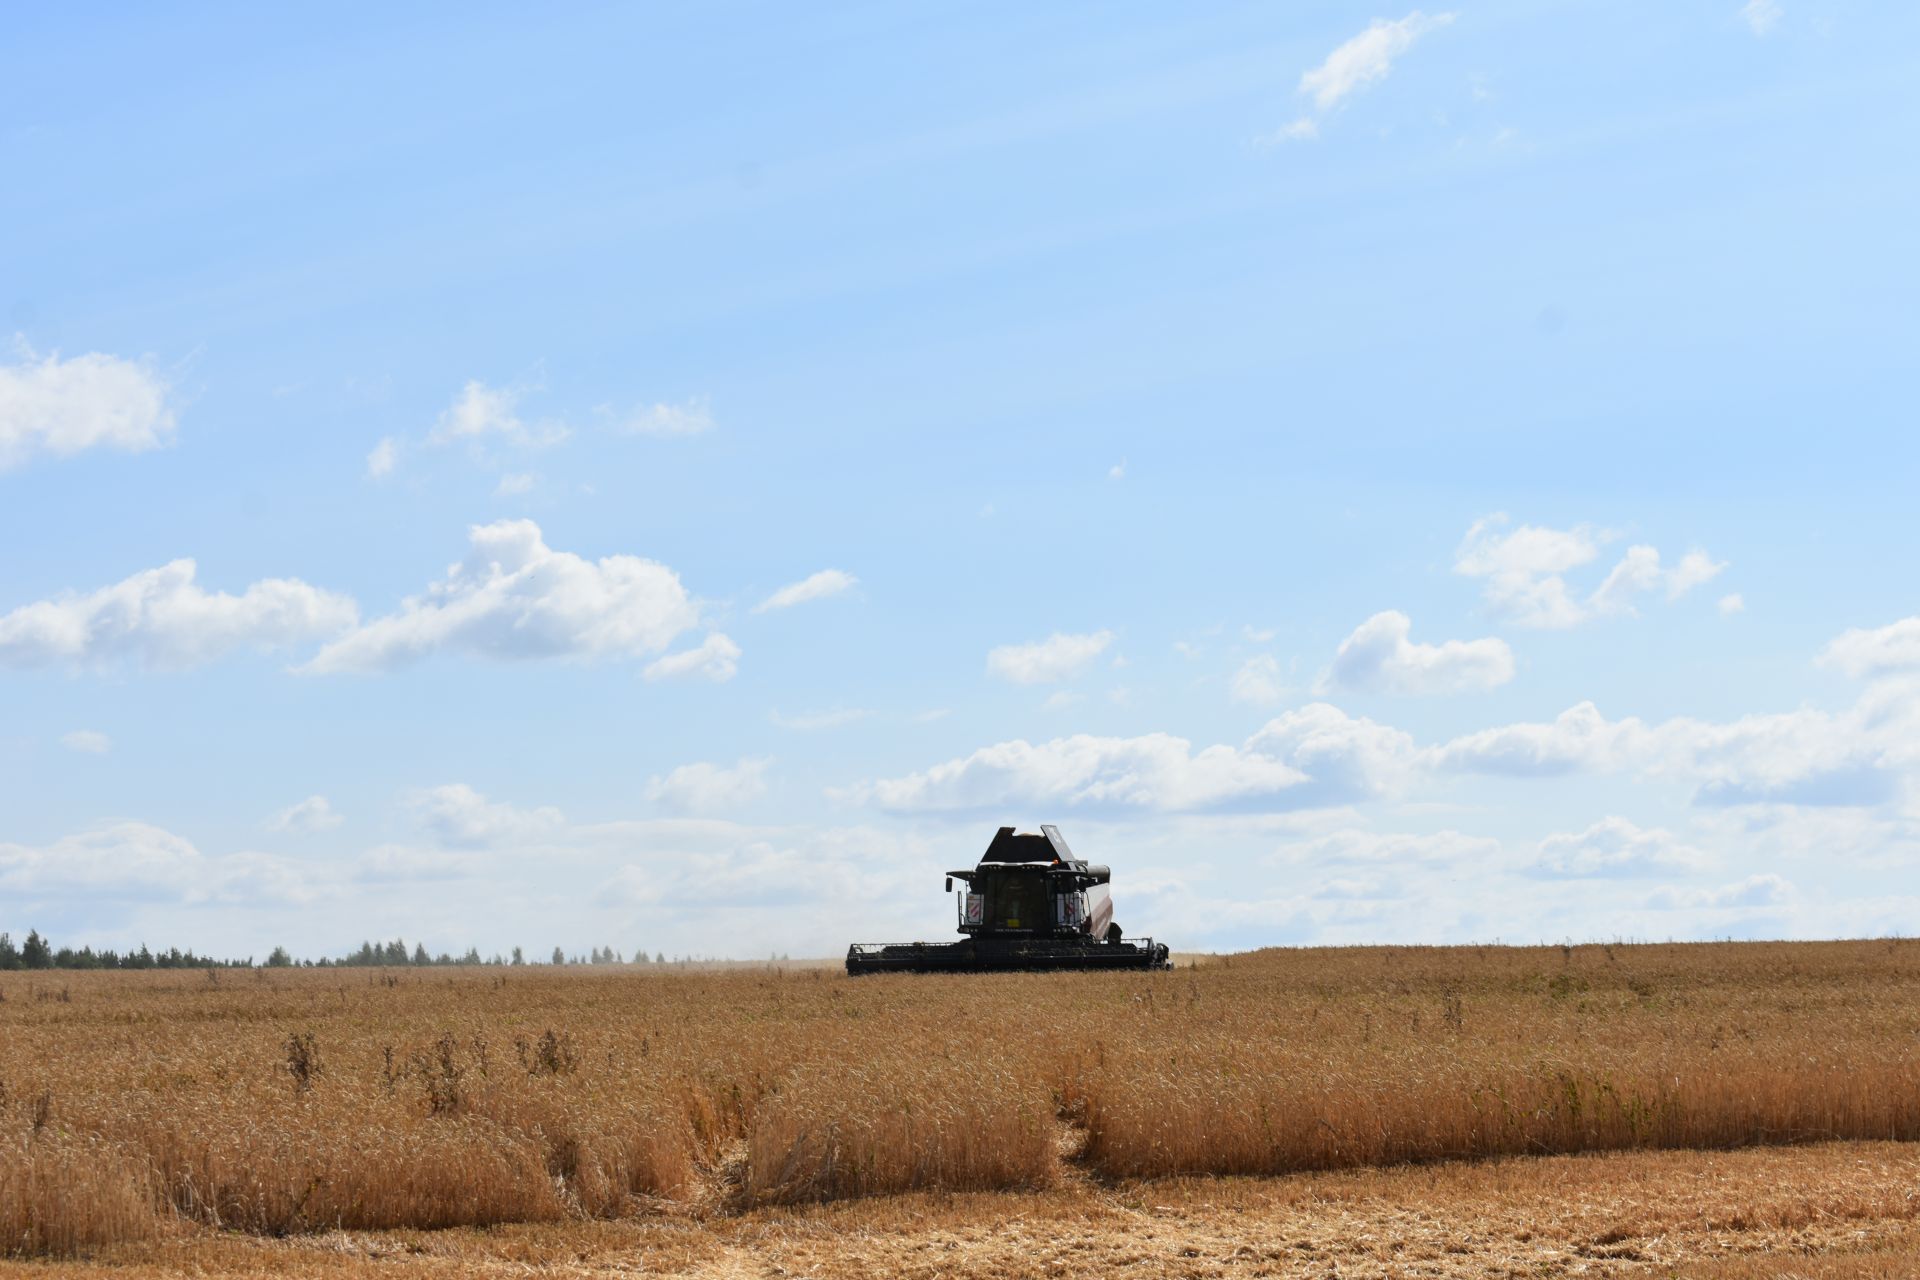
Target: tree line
point(38, 953)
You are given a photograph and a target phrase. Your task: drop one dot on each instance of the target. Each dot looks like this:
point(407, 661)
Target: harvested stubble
point(288, 1101)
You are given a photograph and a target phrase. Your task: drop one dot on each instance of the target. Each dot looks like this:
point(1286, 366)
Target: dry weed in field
point(289, 1101)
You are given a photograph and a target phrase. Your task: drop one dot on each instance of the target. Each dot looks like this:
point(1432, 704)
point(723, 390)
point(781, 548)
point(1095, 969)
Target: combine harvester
point(1030, 905)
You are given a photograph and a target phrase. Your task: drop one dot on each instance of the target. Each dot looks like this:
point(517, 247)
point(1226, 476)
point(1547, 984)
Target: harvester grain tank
point(1029, 905)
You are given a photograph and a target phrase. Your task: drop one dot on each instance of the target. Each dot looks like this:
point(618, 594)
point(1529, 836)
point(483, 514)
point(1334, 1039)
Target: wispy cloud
point(688, 418)
point(1761, 16)
point(716, 658)
point(382, 459)
point(315, 813)
point(819, 719)
point(708, 788)
point(1355, 66)
point(818, 586)
point(1259, 682)
point(1060, 656)
point(481, 412)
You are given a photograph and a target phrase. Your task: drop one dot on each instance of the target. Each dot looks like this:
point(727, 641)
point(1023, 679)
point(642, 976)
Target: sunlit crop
point(137, 1105)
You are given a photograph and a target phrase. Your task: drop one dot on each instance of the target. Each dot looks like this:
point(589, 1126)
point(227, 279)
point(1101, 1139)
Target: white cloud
point(1366, 58)
point(1696, 568)
point(63, 407)
point(1879, 839)
point(717, 658)
point(828, 719)
point(1860, 756)
point(1731, 603)
point(818, 586)
point(382, 459)
point(135, 860)
point(1156, 771)
point(1357, 845)
point(718, 870)
point(1864, 653)
point(90, 741)
point(1525, 570)
point(480, 412)
point(1314, 756)
point(514, 597)
point(688, 418)
point(1639, 572)
point(400, 862)
point(1118, 471)
point(514, 484)
point(458, 815)
point(1059, 657)
point(1380, 657)
point(1761, 16)
point(1301, 129)
point(1346, 757)
point(309, 815)
point(162, 618)
point(1580, 738)
point(1259, 683)
point(1615, 847)
point(1060, 700)
point(709, 788)
point(1763, 890)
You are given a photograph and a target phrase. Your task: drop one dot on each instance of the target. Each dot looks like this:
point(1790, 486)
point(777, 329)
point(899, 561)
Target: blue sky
point(1369, 475)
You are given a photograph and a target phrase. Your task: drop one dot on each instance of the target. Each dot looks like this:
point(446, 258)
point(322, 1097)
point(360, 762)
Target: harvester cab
point(1030, 904)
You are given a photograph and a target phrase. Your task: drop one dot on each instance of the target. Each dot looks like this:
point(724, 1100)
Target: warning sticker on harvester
point(976, 907)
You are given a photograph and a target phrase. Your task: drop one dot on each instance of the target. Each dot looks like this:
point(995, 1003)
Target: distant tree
point(559, 956)
point(420, 953)
point(278, 958)
point(9, 954)
point(36, 954)
point(659, 957)
point(517, 957)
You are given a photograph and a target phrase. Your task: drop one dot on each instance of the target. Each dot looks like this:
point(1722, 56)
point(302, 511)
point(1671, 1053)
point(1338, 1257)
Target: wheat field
point(166, 1115)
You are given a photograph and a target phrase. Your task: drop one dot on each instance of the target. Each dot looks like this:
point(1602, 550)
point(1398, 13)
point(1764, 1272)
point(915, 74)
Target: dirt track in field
point(1837, 1210)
